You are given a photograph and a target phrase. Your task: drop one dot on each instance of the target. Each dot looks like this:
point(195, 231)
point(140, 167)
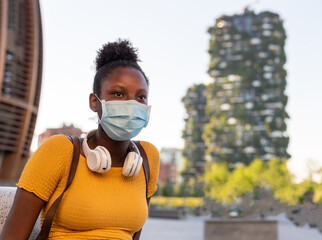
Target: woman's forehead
point(125, 77)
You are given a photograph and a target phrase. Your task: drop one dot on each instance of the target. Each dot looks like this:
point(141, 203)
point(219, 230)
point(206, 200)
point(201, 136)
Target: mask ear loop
point(97, 98)
point(98, 119)
point(95, 117)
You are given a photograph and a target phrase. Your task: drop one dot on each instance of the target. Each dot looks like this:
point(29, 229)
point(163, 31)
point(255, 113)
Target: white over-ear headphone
point(99, 159)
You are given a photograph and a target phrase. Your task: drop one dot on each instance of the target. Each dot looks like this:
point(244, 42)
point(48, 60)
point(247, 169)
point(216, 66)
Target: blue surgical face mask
point(123, 120)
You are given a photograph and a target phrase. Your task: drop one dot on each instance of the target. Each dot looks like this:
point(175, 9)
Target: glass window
point(9, 56)
point(11, 15)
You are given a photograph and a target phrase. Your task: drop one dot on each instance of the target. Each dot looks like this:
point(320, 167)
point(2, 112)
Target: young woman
point(105, 200)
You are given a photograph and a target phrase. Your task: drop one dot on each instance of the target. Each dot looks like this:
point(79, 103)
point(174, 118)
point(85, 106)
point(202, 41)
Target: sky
point(172, 39)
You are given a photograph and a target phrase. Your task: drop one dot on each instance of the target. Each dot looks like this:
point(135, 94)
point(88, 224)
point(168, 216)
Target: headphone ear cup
point(92, 159)
point(130, 164)
point(105, 160)
point(99, 159)
point(138, 167)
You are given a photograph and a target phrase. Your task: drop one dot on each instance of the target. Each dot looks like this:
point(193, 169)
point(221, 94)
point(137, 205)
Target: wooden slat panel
point(7, 148)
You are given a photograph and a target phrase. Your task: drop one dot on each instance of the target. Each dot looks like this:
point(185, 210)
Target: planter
point(240, 229)
point(177, 213)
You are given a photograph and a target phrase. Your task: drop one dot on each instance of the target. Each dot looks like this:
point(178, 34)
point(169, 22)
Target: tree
point(226, 186)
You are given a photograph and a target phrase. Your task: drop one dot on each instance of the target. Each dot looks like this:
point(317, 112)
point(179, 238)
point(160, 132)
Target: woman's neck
point(117, 149)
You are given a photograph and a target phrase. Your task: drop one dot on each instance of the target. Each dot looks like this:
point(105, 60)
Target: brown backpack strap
point(45, 229)
point(146, 166)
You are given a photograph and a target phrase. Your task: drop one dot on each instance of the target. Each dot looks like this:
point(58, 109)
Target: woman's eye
point(142, 97)
point(118, 94)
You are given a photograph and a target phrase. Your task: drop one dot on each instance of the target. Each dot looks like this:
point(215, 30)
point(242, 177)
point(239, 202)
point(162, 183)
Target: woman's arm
point(22, 216)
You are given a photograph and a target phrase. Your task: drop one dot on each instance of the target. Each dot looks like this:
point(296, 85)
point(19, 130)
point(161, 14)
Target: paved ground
point(193, 229)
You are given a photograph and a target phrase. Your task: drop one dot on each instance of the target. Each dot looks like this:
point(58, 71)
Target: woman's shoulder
point(56, 144)
point(149, 148)
point(55, 149)
point(153, 156)
point(57, 140)
point(47, 166)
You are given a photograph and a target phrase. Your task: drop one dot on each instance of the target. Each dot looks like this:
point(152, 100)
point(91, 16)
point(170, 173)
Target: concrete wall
point(7, 195)
point(241, 230)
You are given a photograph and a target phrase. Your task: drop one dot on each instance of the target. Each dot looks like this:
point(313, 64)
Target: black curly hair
point(114, 55)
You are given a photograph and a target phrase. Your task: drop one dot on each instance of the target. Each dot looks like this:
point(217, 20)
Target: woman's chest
point(107, 200)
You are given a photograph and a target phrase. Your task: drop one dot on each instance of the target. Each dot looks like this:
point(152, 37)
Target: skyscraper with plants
point(246, 107)
point(245, 115)
point(194, 149)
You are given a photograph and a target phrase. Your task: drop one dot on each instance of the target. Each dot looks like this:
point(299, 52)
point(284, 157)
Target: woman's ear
point(93, 102)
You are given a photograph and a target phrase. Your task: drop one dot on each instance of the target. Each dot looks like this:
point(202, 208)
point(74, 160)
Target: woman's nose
point(130, 97)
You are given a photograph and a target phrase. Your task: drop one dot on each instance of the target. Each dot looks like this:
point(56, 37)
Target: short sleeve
point(46, 167)
point(154, 163)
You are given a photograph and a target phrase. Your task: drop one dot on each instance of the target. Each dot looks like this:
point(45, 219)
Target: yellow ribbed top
point(96, 206)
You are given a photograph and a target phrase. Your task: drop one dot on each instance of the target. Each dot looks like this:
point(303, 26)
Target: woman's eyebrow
point(118, 86)
point(125, 89)
point(142, 89)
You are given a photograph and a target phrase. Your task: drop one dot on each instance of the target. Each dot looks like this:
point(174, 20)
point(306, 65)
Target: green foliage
point(168, 190)
point(277, 175)
point(255, 171)
point(317, 196)
point(174, 202)
point(226, 186)
point(216, 177)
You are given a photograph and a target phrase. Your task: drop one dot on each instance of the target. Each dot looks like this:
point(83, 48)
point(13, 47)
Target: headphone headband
point(99, 159)
point(91, 133)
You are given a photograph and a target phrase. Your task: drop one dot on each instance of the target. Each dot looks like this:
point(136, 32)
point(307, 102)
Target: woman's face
point(125, 84)
point(122, 84)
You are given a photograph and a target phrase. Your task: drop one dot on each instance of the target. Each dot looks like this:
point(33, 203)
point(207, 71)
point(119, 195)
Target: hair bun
point(113, 51)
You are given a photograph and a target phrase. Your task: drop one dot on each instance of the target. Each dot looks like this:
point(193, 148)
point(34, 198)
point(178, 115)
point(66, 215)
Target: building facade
point(194, 147)
point(245, 102)
point(171, 166)
point(21, 51)
point(68, 130)
point(167, 174)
